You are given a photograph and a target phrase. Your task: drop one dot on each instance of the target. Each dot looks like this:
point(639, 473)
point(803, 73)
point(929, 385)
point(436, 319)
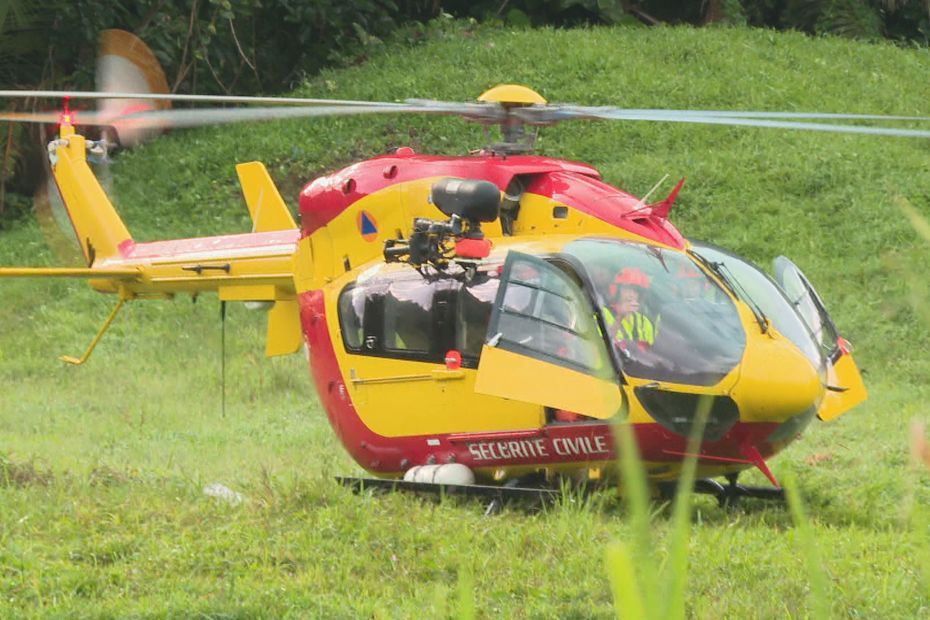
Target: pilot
point(631, 328)
point(690, 282)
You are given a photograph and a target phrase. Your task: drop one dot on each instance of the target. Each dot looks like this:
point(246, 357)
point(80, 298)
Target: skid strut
point(730, 493)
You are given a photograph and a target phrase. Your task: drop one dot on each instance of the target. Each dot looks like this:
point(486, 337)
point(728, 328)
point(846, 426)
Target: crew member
point(690, 282)
point(631, 328)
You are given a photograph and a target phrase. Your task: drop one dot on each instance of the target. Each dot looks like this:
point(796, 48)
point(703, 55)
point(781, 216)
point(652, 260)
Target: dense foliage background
point(253, 46)
point(102, 467)
point(271, 45)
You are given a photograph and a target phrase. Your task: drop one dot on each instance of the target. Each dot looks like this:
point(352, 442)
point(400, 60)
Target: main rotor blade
point(194, 117)
point(33, 117)
point(557, 113)
point(547, 115)
point(210, 116)
point(488, 113)
point(68, 94)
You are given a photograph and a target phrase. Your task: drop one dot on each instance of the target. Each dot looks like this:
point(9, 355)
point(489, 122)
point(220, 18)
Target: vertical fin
point(265, 204)
point(284, 333)
point(98, 226)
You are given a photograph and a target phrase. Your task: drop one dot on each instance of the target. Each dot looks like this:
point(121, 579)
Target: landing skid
point(727, 494)
point(496, 495)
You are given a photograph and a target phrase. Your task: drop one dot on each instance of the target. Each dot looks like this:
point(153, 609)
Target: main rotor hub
point(515, 138)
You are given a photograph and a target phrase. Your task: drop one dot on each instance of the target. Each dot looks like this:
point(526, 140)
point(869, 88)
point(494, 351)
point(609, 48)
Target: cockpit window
point(543, 313)
point(804, 298)
point(666, 318)
point(755, 287)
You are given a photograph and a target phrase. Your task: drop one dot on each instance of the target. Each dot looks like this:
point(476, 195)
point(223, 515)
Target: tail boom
point(256, 266)
point(246, 267)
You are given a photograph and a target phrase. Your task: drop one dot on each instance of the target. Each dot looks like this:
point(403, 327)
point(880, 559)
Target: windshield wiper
point(732, 284)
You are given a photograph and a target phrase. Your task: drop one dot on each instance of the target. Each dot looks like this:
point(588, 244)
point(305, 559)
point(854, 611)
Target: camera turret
point(467, 203)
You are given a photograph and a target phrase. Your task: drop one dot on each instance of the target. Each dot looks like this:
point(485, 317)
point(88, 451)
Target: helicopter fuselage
point(591, 308)
point(381, 336)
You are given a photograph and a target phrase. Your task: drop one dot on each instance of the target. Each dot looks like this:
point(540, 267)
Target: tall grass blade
point(628, 600)
point(819, 590)
point(918, 290)
point(466, 594)
point(676, 573)
point(919, 517)
point(921, 225)
point(920, 449)
point(636, 496)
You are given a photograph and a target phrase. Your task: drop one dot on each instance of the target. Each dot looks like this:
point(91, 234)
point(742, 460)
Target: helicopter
point(480, 323)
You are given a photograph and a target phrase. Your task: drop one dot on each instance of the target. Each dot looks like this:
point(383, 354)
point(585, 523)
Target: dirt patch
point(13, 474)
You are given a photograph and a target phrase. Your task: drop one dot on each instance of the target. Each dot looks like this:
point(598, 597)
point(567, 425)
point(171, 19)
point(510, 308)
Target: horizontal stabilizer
point(69, 272)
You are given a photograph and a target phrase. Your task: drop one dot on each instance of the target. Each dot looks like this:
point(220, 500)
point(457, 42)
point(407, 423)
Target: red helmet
point(630, 276)
point(687, 271)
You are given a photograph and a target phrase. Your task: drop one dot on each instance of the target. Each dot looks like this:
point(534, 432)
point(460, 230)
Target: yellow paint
point(254, 292)
point(393, 208)
point(511, 375)
point(776, 381)
point(69, 272)
point(322, 268)
point(93, 343)
point(284, 333)
point(99, 228)
point(845, 374)
point(398, 398)
point(266, 207)
point(303, 265)
point(511, 94)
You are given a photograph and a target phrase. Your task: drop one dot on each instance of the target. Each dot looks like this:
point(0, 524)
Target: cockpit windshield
point(667, 319)
point(759, 290)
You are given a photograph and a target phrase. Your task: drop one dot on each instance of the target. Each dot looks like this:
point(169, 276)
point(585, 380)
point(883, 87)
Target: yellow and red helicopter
point(484, 320)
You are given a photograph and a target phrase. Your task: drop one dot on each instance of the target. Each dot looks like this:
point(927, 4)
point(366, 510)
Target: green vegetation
point(101, 505)
point(245, 47)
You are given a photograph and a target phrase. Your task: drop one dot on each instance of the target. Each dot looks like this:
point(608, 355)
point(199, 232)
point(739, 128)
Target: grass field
point(102, 511)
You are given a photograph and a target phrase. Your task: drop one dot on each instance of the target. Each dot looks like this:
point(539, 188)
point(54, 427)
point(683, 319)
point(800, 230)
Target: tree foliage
point(247, 46)
point(268, 46)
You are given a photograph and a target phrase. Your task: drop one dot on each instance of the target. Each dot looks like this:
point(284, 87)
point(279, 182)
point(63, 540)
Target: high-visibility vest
point(634, 328)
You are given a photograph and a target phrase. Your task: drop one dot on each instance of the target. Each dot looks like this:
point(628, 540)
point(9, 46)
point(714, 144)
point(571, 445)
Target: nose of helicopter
point(776, 381)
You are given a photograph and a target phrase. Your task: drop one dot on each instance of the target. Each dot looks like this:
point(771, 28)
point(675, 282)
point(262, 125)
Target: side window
point(407, 316)
point(399, 314)
point(473, 312)
point(541, 312)
point(352, 304)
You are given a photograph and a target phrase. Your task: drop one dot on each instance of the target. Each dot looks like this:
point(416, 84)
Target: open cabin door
point(845, 388)
point(543, 344)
